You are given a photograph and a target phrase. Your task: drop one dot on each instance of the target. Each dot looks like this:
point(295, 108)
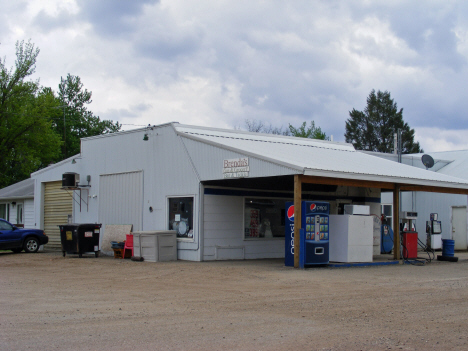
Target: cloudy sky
point(218, 63)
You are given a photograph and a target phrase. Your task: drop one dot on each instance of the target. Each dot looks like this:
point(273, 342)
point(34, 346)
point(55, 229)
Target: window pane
point(264, 218)
point(387, 210)
point(3, 211)
point(181, 216)
point(5, 226)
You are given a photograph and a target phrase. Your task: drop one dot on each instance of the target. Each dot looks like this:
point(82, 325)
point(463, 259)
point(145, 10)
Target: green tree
point(27, 140)
point(373, 129)
point(302, 131)
point(311, 132)
point(76, 121)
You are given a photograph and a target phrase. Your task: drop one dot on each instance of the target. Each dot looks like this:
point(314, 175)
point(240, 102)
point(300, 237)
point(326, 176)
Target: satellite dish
point(427, 161)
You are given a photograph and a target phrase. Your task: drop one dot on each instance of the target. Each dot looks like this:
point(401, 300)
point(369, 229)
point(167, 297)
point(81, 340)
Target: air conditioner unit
point(70, 180)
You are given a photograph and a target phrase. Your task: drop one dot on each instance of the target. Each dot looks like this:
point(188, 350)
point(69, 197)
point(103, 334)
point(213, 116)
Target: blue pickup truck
point(17, 240)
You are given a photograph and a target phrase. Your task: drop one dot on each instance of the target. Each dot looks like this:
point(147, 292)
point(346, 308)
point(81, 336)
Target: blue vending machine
point(315, 231)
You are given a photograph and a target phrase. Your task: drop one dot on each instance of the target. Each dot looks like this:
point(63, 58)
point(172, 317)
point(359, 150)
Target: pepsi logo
point(291, 213)
point(320, 208)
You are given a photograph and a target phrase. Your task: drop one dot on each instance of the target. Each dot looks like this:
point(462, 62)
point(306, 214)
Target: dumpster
point(80, 238)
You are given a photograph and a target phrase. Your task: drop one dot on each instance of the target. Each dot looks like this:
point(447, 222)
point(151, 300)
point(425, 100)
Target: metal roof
point(318, 157)
point(458, 165)
point(20, 190)
point(452, 163)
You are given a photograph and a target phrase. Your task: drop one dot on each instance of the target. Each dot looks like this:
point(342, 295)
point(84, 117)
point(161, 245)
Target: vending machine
point(315, 231)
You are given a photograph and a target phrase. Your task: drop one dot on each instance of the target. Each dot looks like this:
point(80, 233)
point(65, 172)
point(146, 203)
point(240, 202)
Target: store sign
point(236, 167)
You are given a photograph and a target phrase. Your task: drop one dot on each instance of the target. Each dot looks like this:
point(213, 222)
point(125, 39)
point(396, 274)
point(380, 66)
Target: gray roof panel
point(23, 189)
point(320, 158)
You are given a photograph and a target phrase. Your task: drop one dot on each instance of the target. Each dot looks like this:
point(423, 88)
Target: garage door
point(58, 204)
point(121, 199)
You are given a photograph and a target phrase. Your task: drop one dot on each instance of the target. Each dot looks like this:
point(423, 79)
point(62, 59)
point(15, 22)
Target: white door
point(459, 233)
point(121, 199)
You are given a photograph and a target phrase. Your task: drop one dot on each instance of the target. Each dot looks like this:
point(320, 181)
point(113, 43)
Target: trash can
point(80, 238)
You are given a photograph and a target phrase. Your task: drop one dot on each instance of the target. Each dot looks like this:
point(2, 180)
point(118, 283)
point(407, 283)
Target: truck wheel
point(31, 245)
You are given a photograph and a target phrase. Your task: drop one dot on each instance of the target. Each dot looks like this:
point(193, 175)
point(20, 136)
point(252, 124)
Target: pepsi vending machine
point(315, 230)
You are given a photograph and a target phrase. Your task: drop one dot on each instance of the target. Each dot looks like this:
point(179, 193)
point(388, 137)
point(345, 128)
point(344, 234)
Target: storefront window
point(264, 218)
point(181, 216)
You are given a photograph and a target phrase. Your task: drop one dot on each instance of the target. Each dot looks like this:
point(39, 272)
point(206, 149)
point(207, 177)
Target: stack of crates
point(118, 248)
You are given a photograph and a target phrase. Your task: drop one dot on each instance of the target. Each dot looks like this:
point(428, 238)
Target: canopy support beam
point(396, 223)
point(297, 216)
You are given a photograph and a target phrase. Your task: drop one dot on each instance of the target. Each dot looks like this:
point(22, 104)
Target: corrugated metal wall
point(58, 204)
point(121, 199)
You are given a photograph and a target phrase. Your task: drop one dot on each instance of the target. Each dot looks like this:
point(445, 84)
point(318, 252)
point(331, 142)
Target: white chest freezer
point(155, 246)
point(351, 238)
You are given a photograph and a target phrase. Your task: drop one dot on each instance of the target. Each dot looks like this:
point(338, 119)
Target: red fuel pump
point(409, 234)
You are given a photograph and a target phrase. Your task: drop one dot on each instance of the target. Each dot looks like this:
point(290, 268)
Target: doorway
point(459, 227)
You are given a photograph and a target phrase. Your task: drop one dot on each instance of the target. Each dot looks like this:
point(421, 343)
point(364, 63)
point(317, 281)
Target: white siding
point(224, 232)
point(209, 161)
point(29, 214)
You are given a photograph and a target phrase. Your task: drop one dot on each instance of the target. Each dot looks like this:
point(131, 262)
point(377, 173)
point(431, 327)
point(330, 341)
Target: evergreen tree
point(76, 121)
point(373, 129)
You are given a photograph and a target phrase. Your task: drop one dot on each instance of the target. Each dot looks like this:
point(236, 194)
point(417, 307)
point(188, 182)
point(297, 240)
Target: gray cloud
point(46, 23)
point(10, 13)
point(113, 18)
point(219, 63)
point(429, 30)
point(125, 114)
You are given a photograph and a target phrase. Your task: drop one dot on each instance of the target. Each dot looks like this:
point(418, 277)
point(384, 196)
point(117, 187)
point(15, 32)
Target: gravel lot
point(48, 302)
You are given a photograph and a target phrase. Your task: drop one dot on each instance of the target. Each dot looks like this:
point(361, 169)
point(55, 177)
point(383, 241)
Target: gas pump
point(409, 234)
point(434, 232)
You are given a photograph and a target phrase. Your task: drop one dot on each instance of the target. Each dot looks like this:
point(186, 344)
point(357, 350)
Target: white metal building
point(216, 187)
point(451, 208)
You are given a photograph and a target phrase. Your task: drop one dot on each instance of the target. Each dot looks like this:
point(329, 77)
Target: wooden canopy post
point(396, 222)
point(297, 217)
